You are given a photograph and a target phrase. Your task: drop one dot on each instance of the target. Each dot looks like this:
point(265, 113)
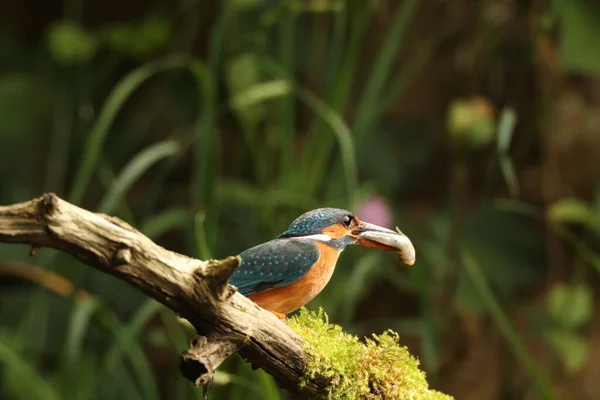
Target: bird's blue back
point(277, 263)
point(282, 261)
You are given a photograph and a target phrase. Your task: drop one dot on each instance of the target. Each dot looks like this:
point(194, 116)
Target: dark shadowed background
point(474, 126)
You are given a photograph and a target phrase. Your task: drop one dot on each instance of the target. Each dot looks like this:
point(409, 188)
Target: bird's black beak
point(371, 235)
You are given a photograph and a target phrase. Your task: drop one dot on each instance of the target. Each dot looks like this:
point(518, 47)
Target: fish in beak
point(371, 235)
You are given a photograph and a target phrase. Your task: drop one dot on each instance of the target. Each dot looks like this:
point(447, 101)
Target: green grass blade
point(519, 350)
point(585, 251)
point(267, 386)
point(333, 120)
point(143, 370)
point(356, 285)
point(164, 221)
point(320, 145)
point(127, 334)
point(113, 104)
point(409, 72)
point(127, 342)
point(27, 375)
point(336, 49)
point(124, 385)
point(107, 178)
point(78, 324)
point(506, 127)
point(176, 333)
point(236, 192)
point(367, 110)
point(286, 119)
point(206, 152)
point(134, 170)
point(342, 134)
point(200, 234)
point(261, 92)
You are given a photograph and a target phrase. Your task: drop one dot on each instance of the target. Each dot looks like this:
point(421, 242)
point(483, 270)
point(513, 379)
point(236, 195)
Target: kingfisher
point(287, 272)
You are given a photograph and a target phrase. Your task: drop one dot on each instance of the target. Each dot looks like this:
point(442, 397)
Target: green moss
point(378, 368)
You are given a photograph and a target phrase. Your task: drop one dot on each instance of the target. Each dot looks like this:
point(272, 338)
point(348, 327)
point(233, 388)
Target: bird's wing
point(277, 263)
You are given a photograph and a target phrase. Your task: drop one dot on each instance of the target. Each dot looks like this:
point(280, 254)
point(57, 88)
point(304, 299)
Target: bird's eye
point(347, 220)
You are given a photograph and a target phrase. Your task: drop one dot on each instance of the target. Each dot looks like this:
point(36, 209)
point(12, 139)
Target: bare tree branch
point(194, 289)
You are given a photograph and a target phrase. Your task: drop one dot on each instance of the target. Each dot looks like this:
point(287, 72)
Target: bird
point(285, 273)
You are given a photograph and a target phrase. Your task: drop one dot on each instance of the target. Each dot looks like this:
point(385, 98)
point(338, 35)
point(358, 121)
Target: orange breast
point(289, 298)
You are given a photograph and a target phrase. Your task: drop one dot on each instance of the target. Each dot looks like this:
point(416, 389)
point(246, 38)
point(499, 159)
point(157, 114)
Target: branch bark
point(196, 290)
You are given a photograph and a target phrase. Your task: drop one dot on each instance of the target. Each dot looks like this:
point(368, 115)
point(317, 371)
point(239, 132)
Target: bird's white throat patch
point(320, 237)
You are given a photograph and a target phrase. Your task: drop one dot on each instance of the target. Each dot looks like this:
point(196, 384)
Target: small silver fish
point(389, 240)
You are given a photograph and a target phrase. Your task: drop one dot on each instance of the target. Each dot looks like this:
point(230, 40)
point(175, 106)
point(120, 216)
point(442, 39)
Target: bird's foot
point(282, 317)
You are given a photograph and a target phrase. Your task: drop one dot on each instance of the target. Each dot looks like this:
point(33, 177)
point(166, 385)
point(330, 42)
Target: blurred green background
point(211, 125)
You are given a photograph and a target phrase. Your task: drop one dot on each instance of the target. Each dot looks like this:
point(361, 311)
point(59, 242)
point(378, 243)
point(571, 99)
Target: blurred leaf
point(512, 246)
point(506, 126)
point(382, 65)
point(70, 44)
point(243, 193)
point(267, 384)
point(571, 306)
point(127, 342)
point(409, 72)
point(357, 284)
point(113, 104)
point(242, 76)
point(510, 175)
point(597, 209)
point(222, 378)
point(579, 34)
point(200, 235)
point(475, 273)
point(128, 333)
point(572, 349)
point(246, 386)
point(585, 251)
point(470, 123)
point(134, 170)
point(344, 58)
point(172, 218)
point(25, 112)
point(138, 39)
point(78, 324)
point(259, 93)
point(317, 6)
point(396, 159)
point(243, 5)
point(24, 105)
point(341, 132)
point(572, 211)
point(24, 378)
point(467, 297)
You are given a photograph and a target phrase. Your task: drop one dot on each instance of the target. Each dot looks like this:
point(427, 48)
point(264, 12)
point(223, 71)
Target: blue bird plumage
point(287, 272)
point(277, 263)
point(287, 258)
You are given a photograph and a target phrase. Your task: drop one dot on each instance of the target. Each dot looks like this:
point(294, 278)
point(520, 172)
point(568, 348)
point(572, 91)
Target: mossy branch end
point(379, 368)
point(310, 356)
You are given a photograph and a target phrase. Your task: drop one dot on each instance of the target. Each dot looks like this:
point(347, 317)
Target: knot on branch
point(122, 256)
point(218, 273)
point(49, 203)
point(204, 356)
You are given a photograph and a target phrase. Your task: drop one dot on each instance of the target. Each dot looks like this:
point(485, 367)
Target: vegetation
point(379, 368)
point(210, 125)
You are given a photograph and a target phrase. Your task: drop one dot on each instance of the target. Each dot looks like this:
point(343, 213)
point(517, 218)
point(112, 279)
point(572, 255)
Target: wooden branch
point(194, 289)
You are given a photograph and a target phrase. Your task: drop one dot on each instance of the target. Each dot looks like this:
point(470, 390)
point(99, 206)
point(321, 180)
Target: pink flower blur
point(376, 211)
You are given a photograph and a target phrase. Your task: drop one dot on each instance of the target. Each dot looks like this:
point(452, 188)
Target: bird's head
point(340, 228)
